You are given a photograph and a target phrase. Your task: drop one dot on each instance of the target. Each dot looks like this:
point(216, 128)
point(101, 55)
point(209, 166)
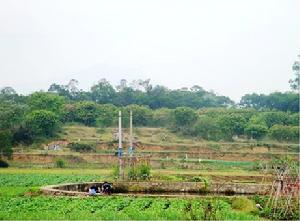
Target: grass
point(159, 136)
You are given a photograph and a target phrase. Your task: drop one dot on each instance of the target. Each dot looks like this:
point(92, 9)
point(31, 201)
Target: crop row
point(42, 207)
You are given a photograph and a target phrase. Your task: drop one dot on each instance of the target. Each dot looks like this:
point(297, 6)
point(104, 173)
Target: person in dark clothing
point(106, 188)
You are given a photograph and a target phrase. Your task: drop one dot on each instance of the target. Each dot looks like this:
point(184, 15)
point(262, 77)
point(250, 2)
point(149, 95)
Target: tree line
point(189, 111)
point(43, 114)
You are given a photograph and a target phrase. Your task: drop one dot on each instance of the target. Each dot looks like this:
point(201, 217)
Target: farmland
point(174, 159)
point(20, 199)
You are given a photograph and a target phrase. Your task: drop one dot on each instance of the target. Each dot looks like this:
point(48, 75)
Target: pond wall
point(161, 187)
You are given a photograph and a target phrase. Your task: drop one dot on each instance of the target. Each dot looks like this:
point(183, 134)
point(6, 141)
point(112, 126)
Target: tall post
point(131, 138)
point(120, 130)
point(120, 149)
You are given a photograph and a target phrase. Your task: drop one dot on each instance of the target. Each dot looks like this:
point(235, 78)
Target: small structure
point(56, 145)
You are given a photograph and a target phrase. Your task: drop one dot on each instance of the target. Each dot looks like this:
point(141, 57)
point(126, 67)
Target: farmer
point(92, 190)
point(106, 188)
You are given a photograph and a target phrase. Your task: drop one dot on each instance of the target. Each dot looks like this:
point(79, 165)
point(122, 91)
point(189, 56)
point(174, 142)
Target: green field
point(20, 198)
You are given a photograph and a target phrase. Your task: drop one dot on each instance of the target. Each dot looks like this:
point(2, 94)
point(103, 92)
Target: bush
point(256, 131)
point(284, 133)
point(132, 174)
point(205, 180)
point(59, 163)
point(42, 123)
point(143, 172)
point(3, 164)
point(80, 147)
point(116, 172)
point(243, 204)
point(5, 143)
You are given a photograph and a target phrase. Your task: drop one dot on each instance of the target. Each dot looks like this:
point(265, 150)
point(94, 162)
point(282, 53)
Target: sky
point(232, 47)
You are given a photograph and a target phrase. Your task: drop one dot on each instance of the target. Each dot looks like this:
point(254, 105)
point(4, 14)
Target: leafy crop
point(20, 199)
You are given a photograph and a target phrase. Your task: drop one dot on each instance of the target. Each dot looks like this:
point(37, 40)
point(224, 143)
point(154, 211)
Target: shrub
point(3, 164)
point(59, 163)
point(80, 147)
point(132, 173)
point(115, 172)
point(5, 143)
point(256, 131)
point(143, 172)
point(205, 180)
point(284, 133)
point(42, 123)
point(244, 204)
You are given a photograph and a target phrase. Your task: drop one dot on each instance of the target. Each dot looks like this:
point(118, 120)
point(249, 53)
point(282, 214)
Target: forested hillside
point(190, 112)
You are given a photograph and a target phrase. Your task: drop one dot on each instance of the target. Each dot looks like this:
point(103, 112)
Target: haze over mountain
point(232, 47)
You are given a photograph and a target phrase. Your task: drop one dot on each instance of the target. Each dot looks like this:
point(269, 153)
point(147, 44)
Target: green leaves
point(184, 117)
point(46, 101)
point(42, 123)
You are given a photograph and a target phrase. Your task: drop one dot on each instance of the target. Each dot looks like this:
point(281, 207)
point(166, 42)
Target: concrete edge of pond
point(161, 189)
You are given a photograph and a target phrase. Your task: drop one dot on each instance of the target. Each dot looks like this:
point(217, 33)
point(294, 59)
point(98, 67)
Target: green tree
point(288, 101)
point(5, 143)
point(107, 116)
point(294, 83)
point(184, 117)
point(162, 117)
point(86, 113)
point(207, 128)
point(103, 92)
point(284, 133)
point(232, 124)
point(46, 101)
point(293, 119)
point(42, 123)
point(270, 118)
point(11, 114)
point(256, 130)
point(142, 115)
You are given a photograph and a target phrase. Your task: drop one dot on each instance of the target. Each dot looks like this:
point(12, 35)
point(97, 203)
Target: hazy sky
point(233, 47)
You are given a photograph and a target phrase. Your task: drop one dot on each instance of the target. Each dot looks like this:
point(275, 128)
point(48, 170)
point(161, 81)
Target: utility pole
point(130, 136)
point(120, 149)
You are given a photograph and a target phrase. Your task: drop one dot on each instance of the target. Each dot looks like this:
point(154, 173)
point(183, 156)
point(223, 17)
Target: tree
point(103, 92)
point(46, 101)
point(107, 116)
point(232, 124)
point(125, 97)
point(294, 83)
point(256, 131)
point(184, 117)
point(284, 133)
point(7, 91)
point(276, 117)
point(162, 117)
point(42, 123)
point(11, 115)
point(5, 143)
point(207, 128)
point(142, 115)
point(69, 90)
point(287, 101)
point(86, 113)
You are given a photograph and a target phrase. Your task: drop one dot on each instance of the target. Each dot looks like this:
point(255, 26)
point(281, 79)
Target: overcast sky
point(233, 47)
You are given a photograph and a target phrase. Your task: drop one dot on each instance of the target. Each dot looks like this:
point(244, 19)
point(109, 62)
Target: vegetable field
point(20, 199)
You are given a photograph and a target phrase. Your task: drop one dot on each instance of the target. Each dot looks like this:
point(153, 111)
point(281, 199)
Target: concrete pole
point(120, 130)
point(120, 150)
point(131, 138)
